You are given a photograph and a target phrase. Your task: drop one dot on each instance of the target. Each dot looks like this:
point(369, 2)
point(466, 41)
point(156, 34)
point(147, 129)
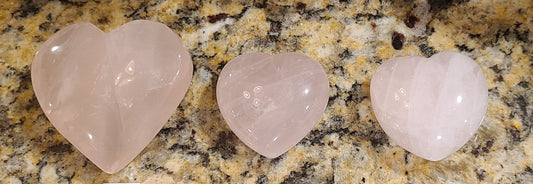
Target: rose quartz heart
point(272, 102)
point(429, 106)
point(109, 94)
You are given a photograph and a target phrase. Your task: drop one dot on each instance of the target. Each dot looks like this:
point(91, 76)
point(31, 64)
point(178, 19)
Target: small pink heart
point(110, 93)
point(272, 102)
point(430, 106)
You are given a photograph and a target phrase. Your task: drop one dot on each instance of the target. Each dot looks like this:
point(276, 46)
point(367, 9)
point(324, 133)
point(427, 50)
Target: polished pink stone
point(429, 106)
point(110, 93)
point(272, 102)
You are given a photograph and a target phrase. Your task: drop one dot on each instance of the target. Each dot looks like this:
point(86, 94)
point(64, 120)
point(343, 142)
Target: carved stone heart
point(272, 102)
point(431, 107)
point(110, 93)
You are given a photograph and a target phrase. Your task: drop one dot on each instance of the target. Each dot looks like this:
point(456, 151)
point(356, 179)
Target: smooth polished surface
point(109, 94)
point(430, 106)
point(272, 102)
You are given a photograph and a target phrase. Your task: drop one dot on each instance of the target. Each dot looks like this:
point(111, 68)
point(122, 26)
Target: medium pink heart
point(272, 102)
point(110, 93)
point(429, 106)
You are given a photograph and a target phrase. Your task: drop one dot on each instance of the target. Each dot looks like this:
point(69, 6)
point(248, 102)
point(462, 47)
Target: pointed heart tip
point(271, 155)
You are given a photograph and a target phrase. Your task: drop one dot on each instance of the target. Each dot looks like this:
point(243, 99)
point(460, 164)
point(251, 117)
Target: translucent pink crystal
point(272, 102)
point(429, 106)
point(109, 94)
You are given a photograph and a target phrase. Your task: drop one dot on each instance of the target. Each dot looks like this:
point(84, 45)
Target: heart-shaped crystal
point(110, 93)
point(272, 102)
point(430, 106)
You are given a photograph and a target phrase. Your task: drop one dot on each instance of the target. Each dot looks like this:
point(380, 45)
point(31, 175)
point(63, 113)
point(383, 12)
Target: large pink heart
point(110, 93)
point(272, 102)
point(429, 106)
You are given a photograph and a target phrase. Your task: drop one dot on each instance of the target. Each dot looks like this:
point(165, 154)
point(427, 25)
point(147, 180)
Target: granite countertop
point(349, 38)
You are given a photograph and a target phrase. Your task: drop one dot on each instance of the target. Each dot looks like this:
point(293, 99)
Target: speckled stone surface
point(349, 38)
